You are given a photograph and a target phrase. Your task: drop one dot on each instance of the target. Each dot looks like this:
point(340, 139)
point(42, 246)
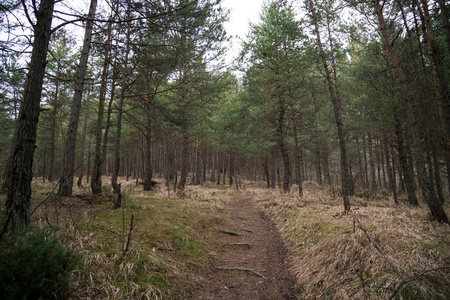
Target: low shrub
point(35, 265)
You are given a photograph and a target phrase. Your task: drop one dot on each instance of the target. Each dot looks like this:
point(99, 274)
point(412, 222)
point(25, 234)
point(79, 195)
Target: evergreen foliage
point(35, 265)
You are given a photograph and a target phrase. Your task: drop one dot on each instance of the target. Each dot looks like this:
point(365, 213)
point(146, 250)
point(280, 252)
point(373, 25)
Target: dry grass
point(167, 254)
point(366, 254)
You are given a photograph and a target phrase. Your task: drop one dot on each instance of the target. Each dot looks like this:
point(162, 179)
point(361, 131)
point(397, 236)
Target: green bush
point(35, 265)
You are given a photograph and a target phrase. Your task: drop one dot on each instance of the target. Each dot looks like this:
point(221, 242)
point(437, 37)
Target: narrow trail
point(249, 259)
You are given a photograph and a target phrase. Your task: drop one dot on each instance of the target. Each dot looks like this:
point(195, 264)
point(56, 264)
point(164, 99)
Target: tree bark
point(231, 168)
point(360, 166)
point(439, 75)
point(148, 153)
point(316, 141)
point(19, 172)
point(282, 143)
point(273, 170)
point(265, 164)
point(366, 172)
point(219, 168)
point(117, 196)
point(88, 171)
point(434, 204)
point(407, 170)
point(51, 173)
point(438, 63)
point(96, 180)
point(185, 160)
point(298, 167)
point(198, 164)
point(83, 140)
point(66, 181)
point(378, 164)
point(445, 22)
point(437, 174)
point(337, 106)
point(213, 167)
point(390, 172)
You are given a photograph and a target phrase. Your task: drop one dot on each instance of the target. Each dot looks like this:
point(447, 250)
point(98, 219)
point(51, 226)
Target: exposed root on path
point(248, 247)
point(230, 232)
point(241, 269)
point(244, 245)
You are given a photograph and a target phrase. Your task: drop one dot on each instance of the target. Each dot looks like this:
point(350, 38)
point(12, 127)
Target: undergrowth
point(35, 265)
point(166, 255)
point(377, 251)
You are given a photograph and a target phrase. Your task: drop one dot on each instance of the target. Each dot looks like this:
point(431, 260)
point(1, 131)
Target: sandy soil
point(249, 259)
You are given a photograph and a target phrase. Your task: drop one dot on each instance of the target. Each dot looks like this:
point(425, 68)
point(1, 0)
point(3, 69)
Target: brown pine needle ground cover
point(378, 251)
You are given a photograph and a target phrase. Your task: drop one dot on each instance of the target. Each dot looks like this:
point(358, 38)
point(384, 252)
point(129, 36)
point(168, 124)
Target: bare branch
point(26, 13)
point(405, 281)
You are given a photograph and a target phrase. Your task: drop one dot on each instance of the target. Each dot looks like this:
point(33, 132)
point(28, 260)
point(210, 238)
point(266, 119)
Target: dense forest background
point(142, 158)
point(351, 94)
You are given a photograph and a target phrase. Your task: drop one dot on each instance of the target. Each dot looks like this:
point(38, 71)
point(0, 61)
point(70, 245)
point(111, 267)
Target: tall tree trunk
point(434, 204)
point(66, 181)
point(265, 164)
point(219, 168)
point(231, 168)
point(44, 166)
point(298, 167)
point(224, 168)
point(360, 166)
point(407, 169)
point(185, 160)
point(53, 128)
point(444, 133)
point(198, 164)
point(438, 63)
point(282, 143)
point(390, 172)
point(445, 17)
point(213, 167)
point(83, 139)
point(148, 153)
point(337, 105)
point(279, 179)
point(440, 78)
point(366, 171)
point(326, 165)
point(104, 150)
point(273, 169)
point(88, 172)
point(20, 164)
point(117, 195)
point(236, 177)
point(171, 157)
point(437, 174)
point(204, 159)
point(382, 157)
point(378, 164)
point(316, 141)
point(351, 183)
point(96, 180)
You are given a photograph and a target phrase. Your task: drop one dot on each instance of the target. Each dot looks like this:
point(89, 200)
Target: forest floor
point(248, 258)
point(213, 242)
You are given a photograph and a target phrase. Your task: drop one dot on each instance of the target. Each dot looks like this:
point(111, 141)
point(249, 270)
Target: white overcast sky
point(242, 12)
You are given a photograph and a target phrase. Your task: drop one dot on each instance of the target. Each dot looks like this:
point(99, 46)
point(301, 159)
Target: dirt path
point(249, 259)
